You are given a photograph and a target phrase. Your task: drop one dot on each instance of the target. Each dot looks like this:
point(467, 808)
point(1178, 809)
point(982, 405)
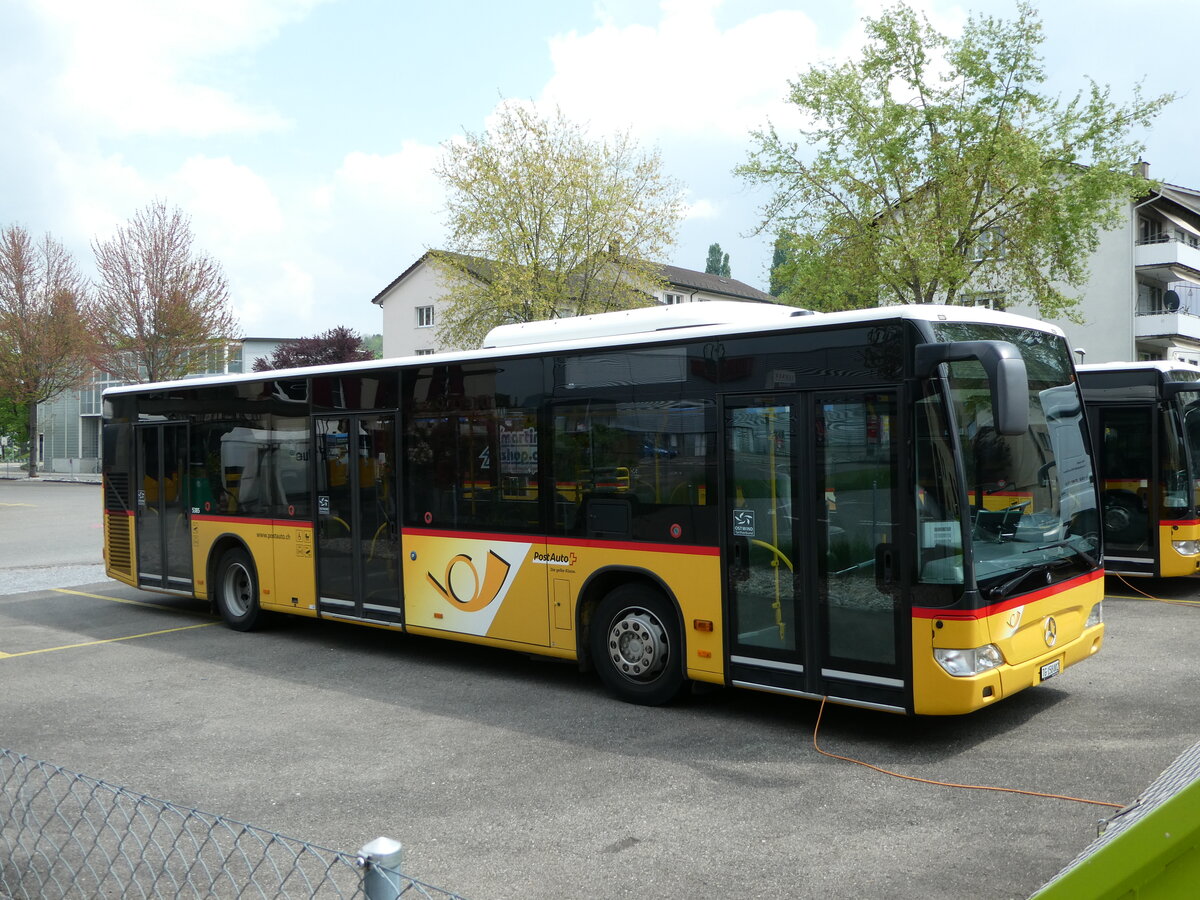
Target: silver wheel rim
point(236, 590)
point(637, 644)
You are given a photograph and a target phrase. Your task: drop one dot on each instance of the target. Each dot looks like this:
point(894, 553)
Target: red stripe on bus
point(241, 520)
point(690, 549)
point(1005, 605)
point(1179, 522)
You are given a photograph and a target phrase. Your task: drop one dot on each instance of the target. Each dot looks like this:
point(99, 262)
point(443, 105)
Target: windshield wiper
point(1005, 588)
point(1088, 559)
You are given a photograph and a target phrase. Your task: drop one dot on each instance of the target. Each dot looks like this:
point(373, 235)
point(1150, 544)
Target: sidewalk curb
point(53, 478)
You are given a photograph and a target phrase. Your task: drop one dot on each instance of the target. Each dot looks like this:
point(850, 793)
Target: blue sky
point(299, 135)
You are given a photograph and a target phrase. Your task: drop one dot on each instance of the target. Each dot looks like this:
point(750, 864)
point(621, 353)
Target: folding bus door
point(357, 532)
point(164, 546)
point(1125, 437)
point(810, 530)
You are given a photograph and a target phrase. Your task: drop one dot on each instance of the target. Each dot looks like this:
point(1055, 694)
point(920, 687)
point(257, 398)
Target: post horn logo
point(1050, 631)
point(482, 592)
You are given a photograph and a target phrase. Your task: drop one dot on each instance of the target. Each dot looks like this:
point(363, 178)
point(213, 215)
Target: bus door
point(164, 545)
point(810, 531)
point(357, 532)
point(1124, 436)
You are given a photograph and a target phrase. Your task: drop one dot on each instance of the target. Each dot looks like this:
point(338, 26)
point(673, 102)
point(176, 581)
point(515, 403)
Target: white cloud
point(402, 182)
point(261, 288)
point(341, 241)
point(701, 209)
point(226, 198)
point(99, 189)
point(131, 65)
point(683, 76)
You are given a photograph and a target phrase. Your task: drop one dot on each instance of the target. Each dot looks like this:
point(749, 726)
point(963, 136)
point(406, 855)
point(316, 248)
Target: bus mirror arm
point(1171, 389)
point(1005, 368)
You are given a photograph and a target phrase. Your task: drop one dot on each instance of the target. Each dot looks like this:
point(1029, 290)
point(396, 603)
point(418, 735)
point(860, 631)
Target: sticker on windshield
point(743, 522)
point(941, 534)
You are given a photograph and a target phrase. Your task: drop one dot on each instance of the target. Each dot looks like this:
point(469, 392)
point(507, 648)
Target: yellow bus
point(893, 508)
point(1145, 419)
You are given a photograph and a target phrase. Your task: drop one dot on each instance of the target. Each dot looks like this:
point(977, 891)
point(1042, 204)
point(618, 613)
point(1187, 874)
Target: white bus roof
point(602, 333)
point(639, 321)
point(1144, 365)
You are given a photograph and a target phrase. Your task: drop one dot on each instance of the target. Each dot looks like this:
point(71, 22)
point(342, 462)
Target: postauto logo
point(461, 585)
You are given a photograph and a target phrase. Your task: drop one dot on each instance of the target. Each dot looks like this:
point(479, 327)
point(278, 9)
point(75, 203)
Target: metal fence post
point(382, 883)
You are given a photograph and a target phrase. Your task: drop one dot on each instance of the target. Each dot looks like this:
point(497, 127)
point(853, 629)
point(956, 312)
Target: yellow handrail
point(778, 553)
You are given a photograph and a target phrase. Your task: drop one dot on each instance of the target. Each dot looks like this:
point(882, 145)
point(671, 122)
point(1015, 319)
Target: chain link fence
point(67, 835)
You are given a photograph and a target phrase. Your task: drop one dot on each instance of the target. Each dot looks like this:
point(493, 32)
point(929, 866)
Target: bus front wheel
point(237, 591)
point(636, 646)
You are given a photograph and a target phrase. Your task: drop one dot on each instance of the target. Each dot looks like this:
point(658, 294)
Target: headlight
point(1096, 616)
point(969, 662)
point(1186, 548)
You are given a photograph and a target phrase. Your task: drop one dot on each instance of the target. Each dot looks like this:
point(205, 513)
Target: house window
point(424, 316)
point(1150, 300)
point(672, 299)
point(1150, 231)
point(425, 352)
point(989, 245)
point(986, 299)
point(90, 403)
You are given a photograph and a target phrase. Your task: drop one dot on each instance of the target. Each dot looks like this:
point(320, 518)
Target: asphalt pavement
point(511, 777)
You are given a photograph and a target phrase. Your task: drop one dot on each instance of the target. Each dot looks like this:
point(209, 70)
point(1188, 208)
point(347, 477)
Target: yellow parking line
point(128, 637)
point(113, 599)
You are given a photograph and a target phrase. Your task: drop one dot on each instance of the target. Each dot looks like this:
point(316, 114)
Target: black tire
point(236, 589)
point(1124, 520)
point(636, 646)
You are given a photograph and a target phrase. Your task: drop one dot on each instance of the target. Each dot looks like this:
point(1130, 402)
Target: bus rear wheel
point(237, 591)
point(636, 647)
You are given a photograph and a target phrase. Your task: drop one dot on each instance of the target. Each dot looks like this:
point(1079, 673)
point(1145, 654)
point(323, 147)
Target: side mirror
point(1007, 379)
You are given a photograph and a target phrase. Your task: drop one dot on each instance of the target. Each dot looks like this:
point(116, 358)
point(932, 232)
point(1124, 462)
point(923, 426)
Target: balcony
point(1160, 256)
point(1155, 318)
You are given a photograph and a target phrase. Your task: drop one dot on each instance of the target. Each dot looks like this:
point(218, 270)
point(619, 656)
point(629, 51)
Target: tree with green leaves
point(717, 262)
point(159, 304)
point(374, 345)
point(14, 427)
point(545, 222)
point(44, 345)
point(779, 258)
point(937, 169)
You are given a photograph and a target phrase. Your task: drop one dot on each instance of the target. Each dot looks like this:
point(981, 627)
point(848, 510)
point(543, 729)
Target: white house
point(412, 303)
point(1142, 299)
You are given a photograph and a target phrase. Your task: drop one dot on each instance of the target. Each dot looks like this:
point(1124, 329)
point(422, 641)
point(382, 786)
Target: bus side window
point(431, 496)
point(640, 469)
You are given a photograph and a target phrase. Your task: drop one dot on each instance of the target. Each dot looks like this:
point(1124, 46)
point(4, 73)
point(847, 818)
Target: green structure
point(1150, 850)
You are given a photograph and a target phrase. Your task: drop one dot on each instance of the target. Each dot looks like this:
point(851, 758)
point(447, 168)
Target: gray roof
point(684, 279)
point(713, 284)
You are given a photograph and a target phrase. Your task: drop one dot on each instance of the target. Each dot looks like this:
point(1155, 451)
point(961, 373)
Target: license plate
point(1050, 669)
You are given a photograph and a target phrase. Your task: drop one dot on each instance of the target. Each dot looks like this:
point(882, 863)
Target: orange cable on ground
point(1158, 599)
point(973, 787)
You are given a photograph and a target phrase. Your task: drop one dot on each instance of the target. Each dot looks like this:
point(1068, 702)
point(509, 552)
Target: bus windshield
point(1181, 488)
point(1027, 504)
